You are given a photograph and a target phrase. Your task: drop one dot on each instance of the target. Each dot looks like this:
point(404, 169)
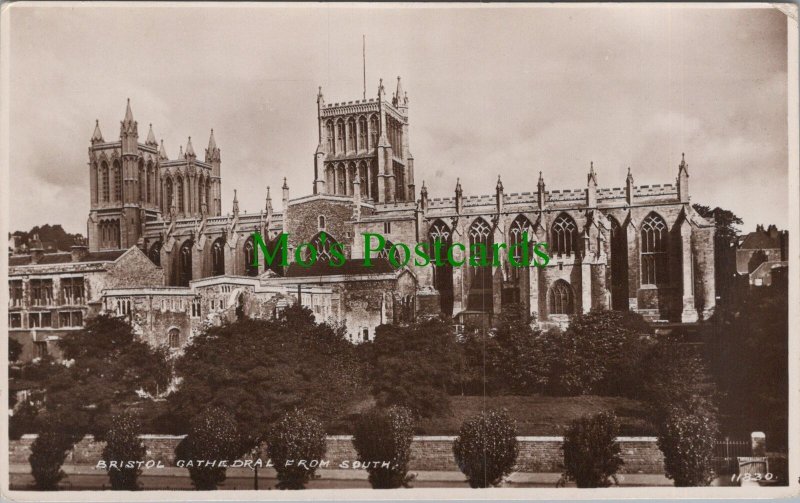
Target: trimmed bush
point(124, 447)
point(591, 452)
point(687, 438)
point(384, 436)
point(48, 453)
point(486, 448)
point(297, 437)
point(213, 437)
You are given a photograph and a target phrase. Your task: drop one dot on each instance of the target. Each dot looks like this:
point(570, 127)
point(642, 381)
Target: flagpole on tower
point(364, 61)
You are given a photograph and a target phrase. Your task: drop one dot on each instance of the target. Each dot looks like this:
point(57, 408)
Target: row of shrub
point(485, 450)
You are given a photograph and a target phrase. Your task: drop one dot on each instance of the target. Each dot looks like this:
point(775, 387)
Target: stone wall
point(536, 454)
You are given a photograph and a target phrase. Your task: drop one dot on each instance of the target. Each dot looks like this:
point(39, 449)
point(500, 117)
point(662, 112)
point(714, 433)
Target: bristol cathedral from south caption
point(166, 252)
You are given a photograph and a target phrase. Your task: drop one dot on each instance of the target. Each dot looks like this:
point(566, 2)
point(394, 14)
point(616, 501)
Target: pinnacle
point(128, 112)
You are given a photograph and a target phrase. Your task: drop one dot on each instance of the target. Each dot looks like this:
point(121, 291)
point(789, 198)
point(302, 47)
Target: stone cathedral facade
point(632, 247)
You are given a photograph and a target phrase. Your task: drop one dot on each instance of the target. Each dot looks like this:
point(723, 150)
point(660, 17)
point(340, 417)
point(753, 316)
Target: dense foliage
point(262, 369)
point(296, 438)
point(414, 366)
point(591, 452)
point(486, 448)
point(48, 453)
point(384, 436)
point(105, 365)
point(124, 447)
point(49, 235)
point(213, 437)
point(748, 350)
point(599, 353)
point(687, 436)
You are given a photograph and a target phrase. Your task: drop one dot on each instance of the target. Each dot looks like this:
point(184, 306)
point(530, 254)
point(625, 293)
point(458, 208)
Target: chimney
point(79, 250)
point(36, 249)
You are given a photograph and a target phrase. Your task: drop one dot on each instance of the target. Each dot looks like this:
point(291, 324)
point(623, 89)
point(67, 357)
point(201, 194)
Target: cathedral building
point(632, 247)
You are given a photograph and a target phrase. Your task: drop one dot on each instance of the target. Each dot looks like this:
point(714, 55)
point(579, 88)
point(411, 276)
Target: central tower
point(367, 139)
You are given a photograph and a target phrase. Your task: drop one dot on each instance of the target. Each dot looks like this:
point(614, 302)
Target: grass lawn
point(541, 415)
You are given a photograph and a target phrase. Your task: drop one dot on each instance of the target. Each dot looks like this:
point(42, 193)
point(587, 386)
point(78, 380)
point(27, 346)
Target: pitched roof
point(66, 257)
point(760, 240)
point(350, 267)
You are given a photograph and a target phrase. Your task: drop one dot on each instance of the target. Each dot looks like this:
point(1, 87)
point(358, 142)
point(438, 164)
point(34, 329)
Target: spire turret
point(683, 180)
point(235, 203)
point(540, 192)
point(269, 200)
point(190, 149)
point(128, 112)
point(162, 152)
point(592, 177)
point(399, 100)
point(97, 136)
point(591, 187)
point(459, 196)
point(180, 152)
point(499, 195)
point(151, 138)
point(129, 132)
point(629, 188)
point(423, 196)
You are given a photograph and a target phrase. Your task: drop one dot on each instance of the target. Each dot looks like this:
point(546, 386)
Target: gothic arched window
point(351, 134)
point(373, 132)
point(439, 232)
point(321, 226)
point(339, 136)
point(561, 301)
point(185, 264)
point(117, 182)
point(322, 243)
point(329, 136)
point(654, 250)
point(564, 235)
point(174, 336)
point(521, 225)
point(208, 196)
point(619, 266)
point(141, 181)
point(362, 175)
point(387, 249)
point(155, 253)
point(149, 190)
point(104, 182)
point(218, 257)
point(362, 133)
point(179, 187)
point(480, 291)
point(340, 181)
point(170, 194)
point(249, 257)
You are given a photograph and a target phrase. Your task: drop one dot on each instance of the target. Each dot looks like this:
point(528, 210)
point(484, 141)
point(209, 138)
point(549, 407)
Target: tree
point(124, 447)
point(48, 453)
point(212, 443)
point(382, 439)
point(486, 448)
point(261, 369)
point(725, 237)
point(671, 374)
point(295, 445)
point(687, 436)
point(591, 451)
point(414, 366)
point(749, 358)
point(599, 353)
point(105, 365)
point(53, 235)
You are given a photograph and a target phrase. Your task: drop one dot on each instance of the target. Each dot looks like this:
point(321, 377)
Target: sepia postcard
point(266, 251)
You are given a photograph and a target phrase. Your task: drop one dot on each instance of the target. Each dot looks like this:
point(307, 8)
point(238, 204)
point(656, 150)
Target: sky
point(493, 90)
